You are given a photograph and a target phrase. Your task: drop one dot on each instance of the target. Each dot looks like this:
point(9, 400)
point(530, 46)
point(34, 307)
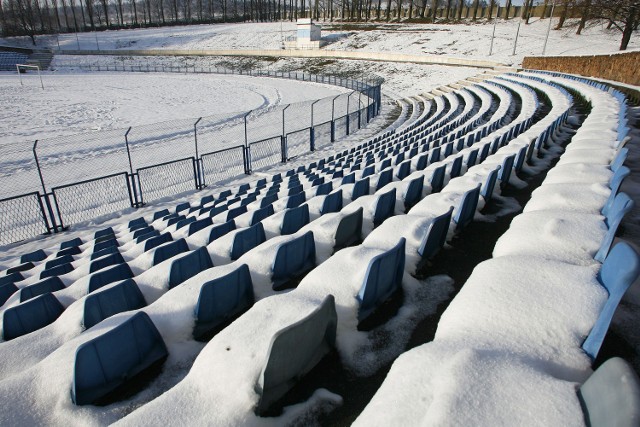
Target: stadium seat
point(404, 169)
point(294, 219)
point(156, 241)
point(35, 256)
point(385, 207)
point(111, 361)
point(473, 157)
point(124, 296)
point(136, 223)
point(434, 155)
point(437, 179)
point(247, 239)
point(505, 170)
point(103, 233)
point(349, 230)
point(293, 260)
point(142, 231)
point(296, 200)
point(113, 274)
point(620, 158)
point(621, 205)
point(413, 193)
point(6, 291)
point(75, 250)
point(51, 284)
point(456, 167)
point(260, 214)
point(22, 267)
point(294, 351)
point(220, 230)
point(105, 244)
point(66, 259)
point(360, 188)
point(30, 316)
point(615, 182)
point(174, 220)
point(57, 271)
point(147, 236)
point(607, 241)
point(160, 214)
point(188, 266)
point(467, 209)
point(221, 300)
point(435, 236)
point(490, 184)
point(185, 222)
point(113, 259)
point(619, 270)
point(267, 200)
point(325, 188)
point(71, 243)
point(520, 159)
point(170, 250)
point(383, 278)
point(332, 203)
point(198, 225)
point(611, 395)
point(233, 213)
point(384, 178)
point(182, 207)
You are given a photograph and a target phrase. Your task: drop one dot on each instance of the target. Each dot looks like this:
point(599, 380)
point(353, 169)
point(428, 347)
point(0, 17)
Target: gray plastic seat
point(294, 351)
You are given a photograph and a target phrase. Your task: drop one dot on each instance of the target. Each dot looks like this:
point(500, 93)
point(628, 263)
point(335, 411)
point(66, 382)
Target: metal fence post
point(54, 226)
point(348, 118)
point(283, 141)
point(333, 123)
point(247, 152)
point(200, 182)
point(359, 110)
point(138, 202)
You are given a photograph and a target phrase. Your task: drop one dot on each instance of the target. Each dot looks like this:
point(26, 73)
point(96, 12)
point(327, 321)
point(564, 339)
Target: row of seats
point(9, 60)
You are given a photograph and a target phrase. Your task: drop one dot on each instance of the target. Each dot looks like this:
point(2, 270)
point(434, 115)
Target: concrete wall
point(621, 67)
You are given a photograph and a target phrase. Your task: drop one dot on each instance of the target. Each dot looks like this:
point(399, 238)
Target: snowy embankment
point(175, 332)
point(508, 348)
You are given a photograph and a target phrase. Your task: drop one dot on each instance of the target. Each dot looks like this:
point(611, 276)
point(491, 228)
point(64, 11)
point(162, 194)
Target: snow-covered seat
point(349, 230)
point(35, 256)
point(293, 260)
point(71, 243)
point(294, 219)
point(505, 170)
point(30, 316)
point(106, 261)
point(74, 250)
point(110, 275)
point(156, 240)
point(489, 185)
point(184, 222)
point(247, 239)
point(142, 231)
point(435, 236)
point(219, 230)
point(112, 360)
point(613, 224)
point(413, 192)
point(26, 266)
point(294, 351)
point(6, 291)
point(332, 202)
point(385, 206)
point(437, 179)
point(360, 188)
point(295, 200)
point(169, 250)
point(188, 266)
point(382, 279)
point(50, 284)
point(106, 232)
point(260, 214)
point(198, 225)
point(100, 245)
point(58, 270)
point(619, 270)
point(115, 299)
point(468, 205)
point(137, 223)
point(221, 300)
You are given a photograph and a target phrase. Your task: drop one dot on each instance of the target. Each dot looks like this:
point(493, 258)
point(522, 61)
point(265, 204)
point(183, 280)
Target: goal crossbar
point(30, 67)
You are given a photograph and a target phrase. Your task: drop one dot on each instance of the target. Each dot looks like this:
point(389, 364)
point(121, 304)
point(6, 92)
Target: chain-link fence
point(93, 174)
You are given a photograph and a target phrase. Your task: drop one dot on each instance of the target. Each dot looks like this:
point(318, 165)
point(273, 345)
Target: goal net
point(22, 68)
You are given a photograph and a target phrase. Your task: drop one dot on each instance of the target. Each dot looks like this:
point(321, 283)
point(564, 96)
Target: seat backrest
point(247, 239)
point(349, 230)
point(99, 264)
point(382, 279)
point(435, 235)
point(437, 179)
point(236, 212)
point(106, 251)
point(296, 200)
point(75, 250)
point(218, 231)
point(71, 243)
point(112, 359)
point(65, 259)
point(198, 225)
point(30, 316)
point(6, 291)
point(360, 188)
point(422, 162)
point(268, 199)
point(385, 177)
point(332, 203)
point(325, 188)
point(137, 223)
point(620, 158)
point(221, 300)
point(188, 266)
point(147, 236)
point(413, 193)
point(349, 179)
point(110, 275)
point(520, 158)
point(404, 169)
point(160, 214)
point(184, 222)
point(473, 157)
point(105, 244)
point(434, 155)
point(490, 184)
point(170, 250)
point(621, 205)
point(156, 241)
point(369, 170)
point(34, 256)
point(385, 207)
point(615, 182)
point(467, 209)
point(505, 170)
point(142, 231)
point(58, 270)
point(105, 303)
point(294, 351)
point(456, 167)
point(611, 396)
point(182, 207)
point(103, 233)
point(293, 259)
point(294, 219)
point(51, 284)
point(260, 214)
point(619, 270)
point(607, 241)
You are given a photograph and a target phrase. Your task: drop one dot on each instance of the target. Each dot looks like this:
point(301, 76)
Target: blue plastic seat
point(224, 194)
point(324, 189)
point(58, 261)
point(384, 178)
point(614, 183)
point(160, 214)
point(434, 155)
point(435, 236)
point(6, 291)
point(349, 230)
point(360, 188)
point(294, 219)
point(137, 223)
point(370, 170)
point(613, 224)
point(170, 250)
point(99, 264)
point(295, 190)
point(22, 267)
point(520, 159)
point(260, 214)
point(109, 362)
point(155, 239)
point(611, 395)
point(233, 213)
point(35, 256)
point(206, 199)
point(103, 233)
point(619, 270)
point(490, 184)
point(110, 275)
point(437, 179)
point(105, 244)
point(268, 199)
point(484, 152)
point(182, 207)
point(51, 284)
point(404, 169)
point(293, 260)
point(185, 222)
point(620, 158)
point(30, 316)
point(456, 167)
point(75, 250)
point(505, 170)
point(142, 231)
point(249, 199)
point(621, 205)
point(198, 225)
point(247, 239)
point(71, 243)
point(473, 156)
point(221, 300)
point(188, 266)
point(422, 162)
point(57, 271)
point(294, 351)
point(220, 230)
point(296, 200)
point(383, 278)
point(332, 203)
point(467, 209)
point(385, 207)
point(175, 219)
point(124, 296)
point(413, 193)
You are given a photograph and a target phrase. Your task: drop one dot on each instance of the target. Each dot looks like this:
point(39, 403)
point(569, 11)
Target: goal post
point(28, 67)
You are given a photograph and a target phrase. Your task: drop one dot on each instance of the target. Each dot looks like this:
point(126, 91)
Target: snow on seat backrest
point(435, 235)
point(160, 214)
point(435, 155)
point(294, 351)
point(404, 169)
point(437, 179)
point(622, 204)
point(267, 200)
point(6, 291)
point(182, 207)
point(220, 230)
point(170, 250)
point(247, 239)
point(57, 270)
point(505, 170)
point(296, 200)
point(233, 213)
point(413, 192)
point(294, 219)
point(112, 359)
point(105, 303)
point(619, 270)
point(184, 222)
point(175, 219)
point(22, 267)
point(34, 256)
point(456, 167)
point(360, 188)
point(293, 259)
point(382, 279)
point(611, 395)
point(332, 203)
point(137, 224)
point(260, 214)
point(11, 278)
point(467, 209)
point(614, 183)
point(30, 316)
point(349, 230)
point(73, 243)
point(157, 240)
point(113, 274)
point(385, 207)
point(142, 231)
point(112, 259)
point(490, 184)
point(607, 241)
point(385, 177)
point(188, 266)
point(50, 284)
point(105, 244)
point(620, 158)
point(198, 225)
point(103, 233)
point(324, 188)
point(221, 300)
point(59, 261)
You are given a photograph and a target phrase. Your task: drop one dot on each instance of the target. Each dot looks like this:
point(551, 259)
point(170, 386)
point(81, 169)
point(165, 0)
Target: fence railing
point(82, 177)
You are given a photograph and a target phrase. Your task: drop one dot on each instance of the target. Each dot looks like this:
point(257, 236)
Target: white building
point(308, 36)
